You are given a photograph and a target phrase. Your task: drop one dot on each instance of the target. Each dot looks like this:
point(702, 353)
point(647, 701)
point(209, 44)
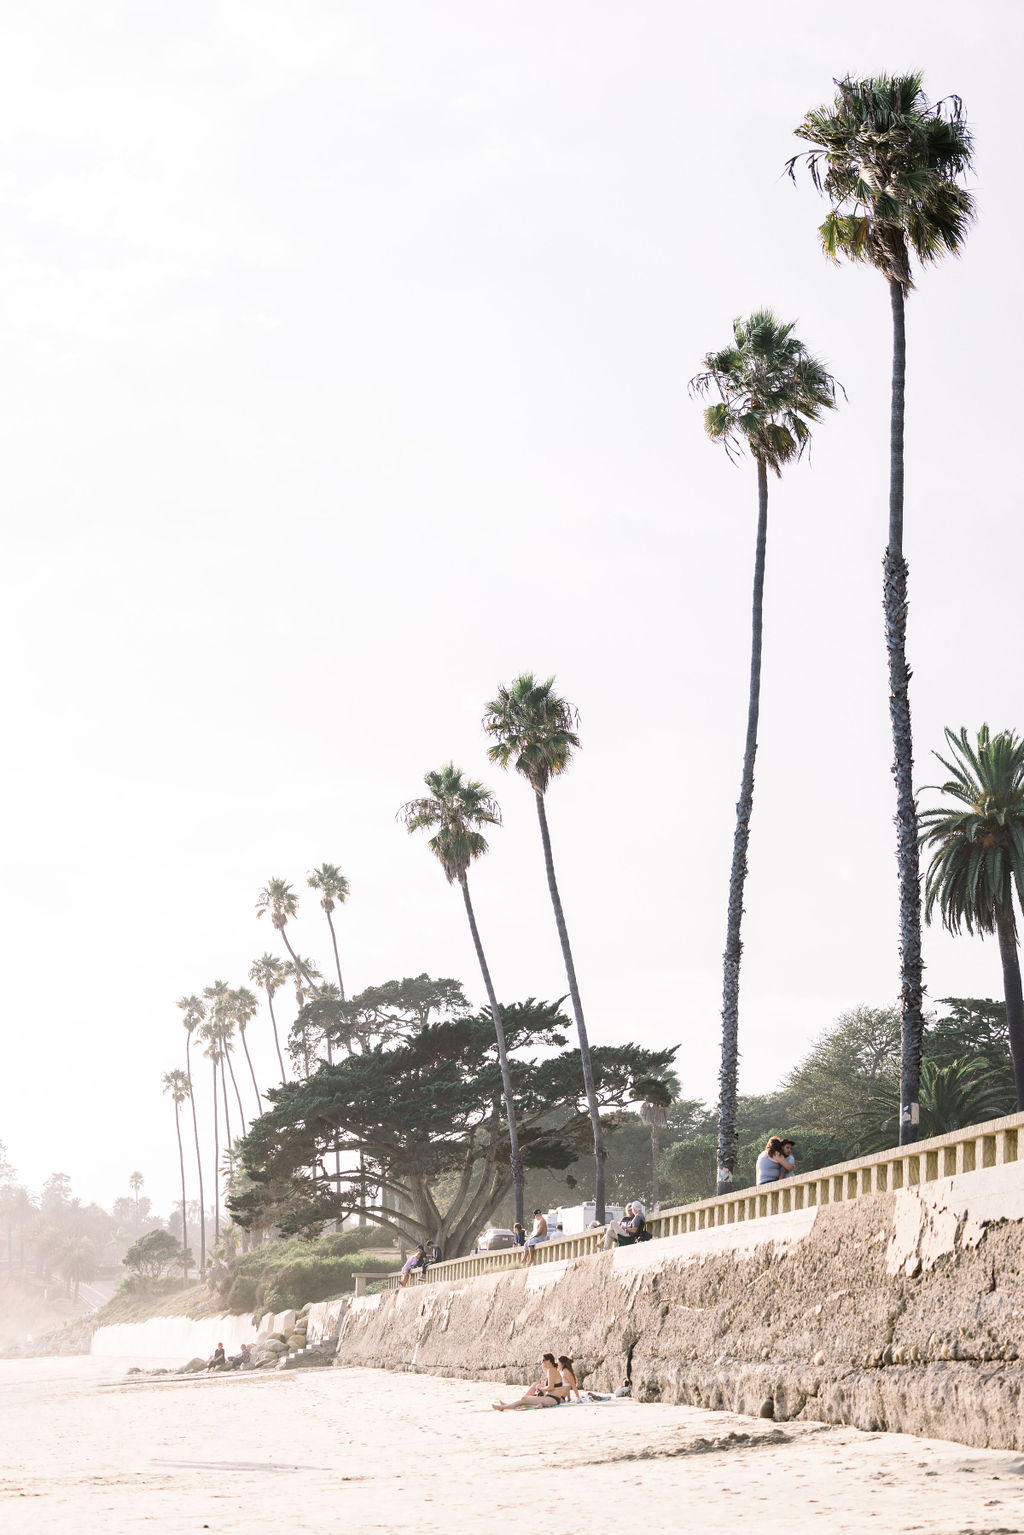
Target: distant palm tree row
point(891, 165)
point(222, 1013)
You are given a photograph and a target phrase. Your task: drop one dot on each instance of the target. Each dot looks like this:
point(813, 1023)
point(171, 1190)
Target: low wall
point(899, 1310)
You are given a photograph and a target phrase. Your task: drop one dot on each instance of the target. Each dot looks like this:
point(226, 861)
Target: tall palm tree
point(269, 973)
point(213, 1044)
point(458, 807)
point(534, 729)
point(891, 163)
point(195, 1013)
point(176, 1083)
point(244, 1007)
point(655, 1099)
point(978, 857)
point(334, 891)
point(279, 899)
point(219, 997)
point(770, 389)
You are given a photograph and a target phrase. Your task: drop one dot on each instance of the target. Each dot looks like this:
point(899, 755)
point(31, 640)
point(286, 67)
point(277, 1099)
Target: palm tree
point(769, 390)
point(268, 972)
point(279, 899)
point(890, 164)
point(211, 1036)
point(304, 975)
point(458, 807)
point(244, 1007)
point(334, 891)
point(534, 729)
point(135, 1182)
point(219, 997)
point(655, 1099)
point(195, 1013)
point(176, 1083)
point(978, 857)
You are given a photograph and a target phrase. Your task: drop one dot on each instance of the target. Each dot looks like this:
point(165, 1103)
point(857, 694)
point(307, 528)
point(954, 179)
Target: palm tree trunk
point(252, 1073)
point(181, 1163)
point(227, 1117)
point(337, 961)
point(199, 1163)
point(300, 967)
point(894, 600)
point(728, 1072)
point(1014, 1001)
point(330, 1062)
point(277, 1042)
point(216, 1158)
point(577, 1007)
point(506, 1078)
point(234, 1084)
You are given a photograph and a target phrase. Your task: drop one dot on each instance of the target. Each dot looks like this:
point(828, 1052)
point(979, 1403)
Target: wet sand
point(85, 1449)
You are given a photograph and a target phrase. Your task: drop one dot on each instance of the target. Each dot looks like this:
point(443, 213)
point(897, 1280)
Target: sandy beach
point(86, 1449)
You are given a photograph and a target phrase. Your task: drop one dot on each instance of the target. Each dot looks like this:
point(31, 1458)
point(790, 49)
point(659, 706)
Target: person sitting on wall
point(417, 1261)
point(772, 1164)
point(539, 1234)
point(627, 1231)
point(787, 1152)
point(519, 1234)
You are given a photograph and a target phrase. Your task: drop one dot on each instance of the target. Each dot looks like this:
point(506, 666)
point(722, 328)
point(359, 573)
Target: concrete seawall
point(901, 1311)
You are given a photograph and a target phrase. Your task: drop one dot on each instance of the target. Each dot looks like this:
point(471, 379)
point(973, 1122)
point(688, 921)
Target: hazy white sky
point(344, 360)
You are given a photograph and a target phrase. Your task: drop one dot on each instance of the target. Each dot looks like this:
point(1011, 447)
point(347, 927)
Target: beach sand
point(85, 1449)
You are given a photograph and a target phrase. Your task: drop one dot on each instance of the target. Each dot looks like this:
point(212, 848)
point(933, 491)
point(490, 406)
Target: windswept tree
point(333, 889)
point(770, 390)
point(195, 1013)
point(892, 165)
point(176, 1083)
point(455, 809)
point(977, 863)
point(534, 730)
point(268, 972)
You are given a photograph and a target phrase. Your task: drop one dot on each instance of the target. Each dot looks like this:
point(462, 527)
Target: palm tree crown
point(889, 162)
point(176, 1083)
point(978, 858)
point(332, 885)
point(277, 897)
point(533, 729)
point(268, 972)
point(770, 389)
point(458, 807)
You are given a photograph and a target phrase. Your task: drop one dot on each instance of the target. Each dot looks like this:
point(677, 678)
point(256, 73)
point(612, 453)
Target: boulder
point(192, 1367)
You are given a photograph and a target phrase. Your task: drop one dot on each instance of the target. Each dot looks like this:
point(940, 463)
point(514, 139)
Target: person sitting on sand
point(569, 1384)
point(539, 1234)
point(541, 1393)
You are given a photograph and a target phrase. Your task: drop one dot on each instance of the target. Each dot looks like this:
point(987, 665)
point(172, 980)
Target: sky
point(344, 352)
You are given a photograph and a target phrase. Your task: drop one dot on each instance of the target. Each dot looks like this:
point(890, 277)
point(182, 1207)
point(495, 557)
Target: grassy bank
point(278, 1277)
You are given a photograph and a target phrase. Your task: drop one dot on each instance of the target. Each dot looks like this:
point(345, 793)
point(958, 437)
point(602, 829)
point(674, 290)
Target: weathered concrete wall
point(897, 1311)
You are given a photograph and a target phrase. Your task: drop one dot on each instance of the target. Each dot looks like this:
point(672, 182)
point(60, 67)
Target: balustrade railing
point(943, 1156)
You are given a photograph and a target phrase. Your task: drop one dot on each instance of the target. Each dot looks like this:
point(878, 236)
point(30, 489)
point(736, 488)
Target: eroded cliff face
point(895, 1311)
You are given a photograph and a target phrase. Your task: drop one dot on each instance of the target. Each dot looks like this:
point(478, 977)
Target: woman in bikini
point(540, 1394)
point(569, 1383)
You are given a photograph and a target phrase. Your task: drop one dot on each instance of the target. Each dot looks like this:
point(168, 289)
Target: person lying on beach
point(541, 1393)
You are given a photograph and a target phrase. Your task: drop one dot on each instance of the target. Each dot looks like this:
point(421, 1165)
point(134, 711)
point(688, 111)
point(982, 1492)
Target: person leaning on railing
point(774, 1164)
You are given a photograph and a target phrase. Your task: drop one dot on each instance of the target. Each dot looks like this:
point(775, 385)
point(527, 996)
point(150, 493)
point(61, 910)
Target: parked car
point(495, 1238)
